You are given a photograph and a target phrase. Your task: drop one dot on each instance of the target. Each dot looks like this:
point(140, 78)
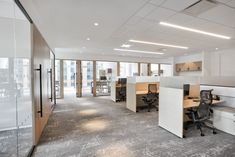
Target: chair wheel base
point(214, 132)
point(202, 134)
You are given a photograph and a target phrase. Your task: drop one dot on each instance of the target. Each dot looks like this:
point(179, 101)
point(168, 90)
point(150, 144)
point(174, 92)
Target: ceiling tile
point(156, 2)
point(160, 14)
point(145, 10)
point(220, 14)
point(231, 3)
point(178, 5)
point(181, 18)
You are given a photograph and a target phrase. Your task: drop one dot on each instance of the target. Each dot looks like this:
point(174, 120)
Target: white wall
point(188, 58)
point(217, 63)
point(220, 63)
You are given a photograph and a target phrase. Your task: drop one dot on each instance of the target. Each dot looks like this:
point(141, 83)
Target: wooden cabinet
point(190, 66)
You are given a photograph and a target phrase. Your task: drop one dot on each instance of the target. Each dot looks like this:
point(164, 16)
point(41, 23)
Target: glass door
point(87, 78)
point(69, 78)
point(15, 82)
point(105, 72)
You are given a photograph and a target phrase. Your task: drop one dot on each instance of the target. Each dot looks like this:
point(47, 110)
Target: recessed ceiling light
point(216, 48)
point(125, 45)
point(194, 30)
point(96, 24)
point(158, 44)
point(139, 51)
point(88, 39)
point(163, 49)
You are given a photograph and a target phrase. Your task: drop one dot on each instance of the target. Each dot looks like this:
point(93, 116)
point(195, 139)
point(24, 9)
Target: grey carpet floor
point(98, 127)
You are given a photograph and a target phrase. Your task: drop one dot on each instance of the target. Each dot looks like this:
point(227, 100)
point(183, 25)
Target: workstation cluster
point(197, 101)
point(139, 92)
point(182, 102)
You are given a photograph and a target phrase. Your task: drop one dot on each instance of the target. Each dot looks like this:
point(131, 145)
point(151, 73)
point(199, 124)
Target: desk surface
point(143, 92)
point(188, 103)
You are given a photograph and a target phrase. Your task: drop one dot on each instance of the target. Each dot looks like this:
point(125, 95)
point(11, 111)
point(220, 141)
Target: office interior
point(117, 78)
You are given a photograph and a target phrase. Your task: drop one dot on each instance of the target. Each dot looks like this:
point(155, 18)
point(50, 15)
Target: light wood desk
point(188, 103)
point(143, 92)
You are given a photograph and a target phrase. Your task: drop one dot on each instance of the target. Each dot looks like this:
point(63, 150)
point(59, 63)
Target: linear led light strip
point(139, 51)
point(194, 30)
point(159, 44)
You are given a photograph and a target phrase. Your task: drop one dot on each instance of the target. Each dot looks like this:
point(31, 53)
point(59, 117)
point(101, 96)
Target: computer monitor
point(186, 89)
point(103, 78)
point(122, 81)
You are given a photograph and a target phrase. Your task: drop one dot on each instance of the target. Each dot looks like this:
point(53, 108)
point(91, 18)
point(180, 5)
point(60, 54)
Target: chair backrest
point(206, 99)
point(152, 88)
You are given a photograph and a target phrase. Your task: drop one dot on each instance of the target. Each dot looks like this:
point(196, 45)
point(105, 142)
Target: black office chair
point(122, 93)
point(203, 112)
point(152, 97)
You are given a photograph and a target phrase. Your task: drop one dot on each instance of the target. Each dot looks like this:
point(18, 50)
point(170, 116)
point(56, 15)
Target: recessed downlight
point(158, 44)
point(88, 39)
point(138, 51)
point(96, 24)
point(194, 30)
point(216, 48)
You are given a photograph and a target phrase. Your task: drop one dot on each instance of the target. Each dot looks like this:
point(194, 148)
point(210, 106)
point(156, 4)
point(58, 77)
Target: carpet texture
point(98, 127)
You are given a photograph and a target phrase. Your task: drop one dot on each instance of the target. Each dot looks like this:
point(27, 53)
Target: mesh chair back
point(206, 98)
point(152, 88)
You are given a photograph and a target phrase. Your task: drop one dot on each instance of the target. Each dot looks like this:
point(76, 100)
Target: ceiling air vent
point(200, 7)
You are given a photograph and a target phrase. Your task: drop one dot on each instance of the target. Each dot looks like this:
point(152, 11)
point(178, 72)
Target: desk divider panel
point(131, 97)
point(171, 110)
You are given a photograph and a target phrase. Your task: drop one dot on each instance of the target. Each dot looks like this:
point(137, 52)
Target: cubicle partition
point(171, 103)
point(138, 86)
point(224, 113)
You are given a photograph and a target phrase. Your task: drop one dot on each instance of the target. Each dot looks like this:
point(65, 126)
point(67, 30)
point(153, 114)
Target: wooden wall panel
point(78, 79)
point(138, 69)
point(149, 69)
point(118, 68)
point(41, 56)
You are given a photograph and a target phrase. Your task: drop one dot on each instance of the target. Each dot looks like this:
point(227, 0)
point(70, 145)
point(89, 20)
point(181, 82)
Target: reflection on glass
point(15, 82)
point(87, 78)
point(143, 69)
point(166, 70)
point(154, 69)
point(105, 72)
point(57, 79)
point(128, 69)
point(69, 77)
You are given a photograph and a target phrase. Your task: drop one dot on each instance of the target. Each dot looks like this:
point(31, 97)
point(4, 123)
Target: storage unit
point(190, 66)
point(224, 119)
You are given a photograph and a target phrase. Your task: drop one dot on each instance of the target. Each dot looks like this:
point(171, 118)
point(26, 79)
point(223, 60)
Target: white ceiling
point(66, 24)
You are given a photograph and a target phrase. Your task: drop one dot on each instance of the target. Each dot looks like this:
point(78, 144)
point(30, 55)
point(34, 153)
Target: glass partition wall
point(15, 82)
point(128, 69)
point(58, 78)
point(154, 69)
point(105, 72)
point(87, 78)
point(143, 69)
point(69, 72)
point(166, 70)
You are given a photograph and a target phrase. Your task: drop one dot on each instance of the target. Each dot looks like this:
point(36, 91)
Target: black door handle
point(40, 88)
point(50, 72)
